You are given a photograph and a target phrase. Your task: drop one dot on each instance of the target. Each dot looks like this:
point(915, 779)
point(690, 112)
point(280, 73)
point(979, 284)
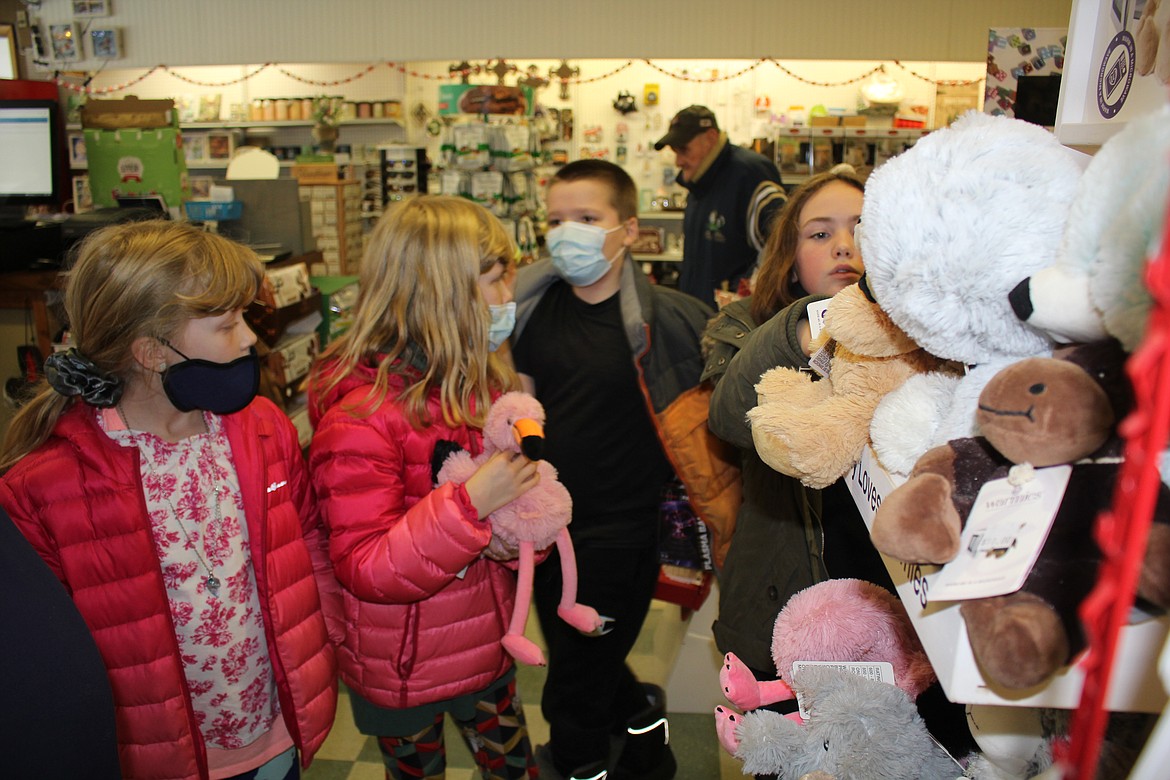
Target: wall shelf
point(285, 123)
point(661, 257)
point(276, 125)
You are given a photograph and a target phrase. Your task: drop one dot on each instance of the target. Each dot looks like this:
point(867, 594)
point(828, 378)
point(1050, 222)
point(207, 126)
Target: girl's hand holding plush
point(499, 481)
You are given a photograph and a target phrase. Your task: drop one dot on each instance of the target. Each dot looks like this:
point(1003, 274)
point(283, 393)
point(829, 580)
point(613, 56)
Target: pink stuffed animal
point(834, 620)
point(532, 522)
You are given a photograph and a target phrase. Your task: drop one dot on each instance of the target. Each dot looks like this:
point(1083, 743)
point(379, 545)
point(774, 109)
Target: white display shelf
point(214, 165)
point(1134, 686)
point(662, 257)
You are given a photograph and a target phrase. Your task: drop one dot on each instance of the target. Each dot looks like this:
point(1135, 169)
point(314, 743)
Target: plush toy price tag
point(821, 361)
point(1003, 536)
point(878, 671)
point(816, 316)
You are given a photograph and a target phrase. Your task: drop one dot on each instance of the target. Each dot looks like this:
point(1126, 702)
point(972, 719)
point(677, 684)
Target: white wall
point(204, 32)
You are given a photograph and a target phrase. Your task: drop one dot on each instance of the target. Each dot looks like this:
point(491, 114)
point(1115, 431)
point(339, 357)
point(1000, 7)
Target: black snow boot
point(646, 754)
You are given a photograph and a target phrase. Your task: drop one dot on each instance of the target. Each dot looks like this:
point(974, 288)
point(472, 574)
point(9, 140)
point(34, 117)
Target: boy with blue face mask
point(606, 352)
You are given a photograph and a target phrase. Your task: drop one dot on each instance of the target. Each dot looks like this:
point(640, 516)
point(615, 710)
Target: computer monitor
point(1037, 98)
point(32, 153)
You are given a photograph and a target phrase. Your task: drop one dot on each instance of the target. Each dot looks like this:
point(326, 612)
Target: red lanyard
point(1122, 531)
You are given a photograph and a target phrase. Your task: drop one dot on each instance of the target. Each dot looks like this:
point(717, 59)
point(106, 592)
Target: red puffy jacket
point(78, 499)
point(424, 612)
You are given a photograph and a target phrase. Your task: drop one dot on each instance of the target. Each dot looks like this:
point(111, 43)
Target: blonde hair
point(133, 280)
point(420, 303)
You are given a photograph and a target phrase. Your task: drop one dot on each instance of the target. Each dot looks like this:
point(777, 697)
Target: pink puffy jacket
point(424, 612)
point(78, 499)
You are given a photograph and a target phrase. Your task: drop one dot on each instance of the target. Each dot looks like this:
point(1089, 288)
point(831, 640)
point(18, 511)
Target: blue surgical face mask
point(578, 252)
point(503, 321)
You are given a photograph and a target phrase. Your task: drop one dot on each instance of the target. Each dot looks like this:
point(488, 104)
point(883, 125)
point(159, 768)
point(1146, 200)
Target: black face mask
point(220, 388)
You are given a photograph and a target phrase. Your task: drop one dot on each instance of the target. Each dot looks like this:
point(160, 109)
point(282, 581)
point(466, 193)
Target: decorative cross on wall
point(564, 73)
point(501, 69)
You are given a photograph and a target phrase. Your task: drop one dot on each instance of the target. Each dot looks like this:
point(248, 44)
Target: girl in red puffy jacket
point(425, 602)
point(175, 507)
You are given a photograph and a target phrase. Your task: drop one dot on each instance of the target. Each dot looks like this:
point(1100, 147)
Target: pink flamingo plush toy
point(532, 522)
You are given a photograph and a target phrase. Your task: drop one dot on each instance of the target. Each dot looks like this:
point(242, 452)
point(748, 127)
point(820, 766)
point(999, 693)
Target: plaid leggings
point(497, 737)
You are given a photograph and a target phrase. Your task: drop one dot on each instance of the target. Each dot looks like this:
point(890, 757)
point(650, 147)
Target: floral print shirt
point(196, 516)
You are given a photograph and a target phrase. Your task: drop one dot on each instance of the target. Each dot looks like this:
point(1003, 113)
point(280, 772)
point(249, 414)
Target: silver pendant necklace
point(211, 582)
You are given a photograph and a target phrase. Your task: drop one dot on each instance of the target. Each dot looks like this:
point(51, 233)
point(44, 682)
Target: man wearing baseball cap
point(733, 193)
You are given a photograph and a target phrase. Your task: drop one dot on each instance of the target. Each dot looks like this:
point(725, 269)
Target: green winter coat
point(778, 545)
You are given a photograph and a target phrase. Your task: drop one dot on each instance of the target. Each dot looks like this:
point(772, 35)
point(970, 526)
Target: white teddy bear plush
point(948, 228)
point(1094, 289)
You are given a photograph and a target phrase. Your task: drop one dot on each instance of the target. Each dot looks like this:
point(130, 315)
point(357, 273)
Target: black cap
point(686, 124)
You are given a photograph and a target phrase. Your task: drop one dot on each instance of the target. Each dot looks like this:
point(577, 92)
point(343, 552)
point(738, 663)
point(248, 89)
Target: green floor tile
point(323, 769)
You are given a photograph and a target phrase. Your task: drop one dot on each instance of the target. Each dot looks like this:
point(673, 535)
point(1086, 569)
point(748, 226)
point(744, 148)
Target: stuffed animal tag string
point(532, 522)
point(1021, 474)
point(1004, 534)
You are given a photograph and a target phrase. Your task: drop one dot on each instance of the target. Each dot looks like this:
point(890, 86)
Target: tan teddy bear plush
point(816, 430)
point(1152, 40)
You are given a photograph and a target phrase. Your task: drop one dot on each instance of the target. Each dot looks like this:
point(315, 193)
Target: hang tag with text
point(816, 316)
point(1003, 537)
point(879, 671)
point(822, 360)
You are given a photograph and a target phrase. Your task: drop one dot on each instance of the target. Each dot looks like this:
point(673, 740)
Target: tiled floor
point(348, 755)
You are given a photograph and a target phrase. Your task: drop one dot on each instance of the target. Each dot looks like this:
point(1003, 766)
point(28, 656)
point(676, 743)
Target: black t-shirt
point(598, 433)
point(849, 553)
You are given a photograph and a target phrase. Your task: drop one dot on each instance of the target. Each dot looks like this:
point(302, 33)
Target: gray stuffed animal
point(858, 729)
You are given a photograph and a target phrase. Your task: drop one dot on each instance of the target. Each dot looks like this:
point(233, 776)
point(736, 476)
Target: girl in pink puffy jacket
point(175, 508)
point(425, 602)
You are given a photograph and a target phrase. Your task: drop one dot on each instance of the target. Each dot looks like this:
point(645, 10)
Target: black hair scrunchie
point(72, 374)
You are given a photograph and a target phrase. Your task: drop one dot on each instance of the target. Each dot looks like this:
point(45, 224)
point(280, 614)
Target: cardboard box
point(137, 162)
point(824, 121)
point(648, 242)
point(686, 587)
point(291, 359)
point(854, 120)
point(792, 153)
point(1134, 686)
point(270, 323)
point(285, 286)
point(338, 298)
point(316, 173)
point(129, 112)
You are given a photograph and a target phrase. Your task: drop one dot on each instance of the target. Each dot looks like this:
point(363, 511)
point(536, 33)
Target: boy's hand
point(503, 478)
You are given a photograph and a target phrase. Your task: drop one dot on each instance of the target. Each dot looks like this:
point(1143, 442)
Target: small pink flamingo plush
point(532, 522)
